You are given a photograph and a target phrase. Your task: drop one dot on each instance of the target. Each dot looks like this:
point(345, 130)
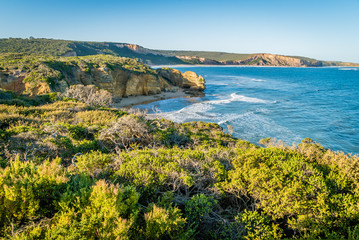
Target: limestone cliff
point(263, 59)
point(188, 80)
point(276, 60)
point(120, 76)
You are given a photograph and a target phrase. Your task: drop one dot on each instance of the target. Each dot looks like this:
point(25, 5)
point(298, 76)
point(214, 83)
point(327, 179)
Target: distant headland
point(65, 48)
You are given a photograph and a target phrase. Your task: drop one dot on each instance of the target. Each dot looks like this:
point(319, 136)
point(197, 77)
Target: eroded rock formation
point(120, 82)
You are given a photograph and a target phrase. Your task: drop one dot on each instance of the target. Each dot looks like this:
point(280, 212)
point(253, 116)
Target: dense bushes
point(73, 171)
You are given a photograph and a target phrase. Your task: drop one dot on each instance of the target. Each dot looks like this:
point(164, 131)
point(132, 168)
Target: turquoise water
point(289, 104)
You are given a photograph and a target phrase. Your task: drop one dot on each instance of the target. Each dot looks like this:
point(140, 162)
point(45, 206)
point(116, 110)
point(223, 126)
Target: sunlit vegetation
point(69, 170)
point(54, 47)
point(56, 73)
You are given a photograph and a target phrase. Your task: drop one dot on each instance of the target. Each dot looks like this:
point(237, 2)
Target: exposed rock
point(263, 59)
point(188, 80)
point(272, 60)
point(194, 81)
point(120, 82)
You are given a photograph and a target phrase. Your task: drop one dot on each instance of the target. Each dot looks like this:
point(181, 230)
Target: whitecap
point(191, 113)
point(258, 80)
point(218, 84)
point(237, 98)
point(348, 69)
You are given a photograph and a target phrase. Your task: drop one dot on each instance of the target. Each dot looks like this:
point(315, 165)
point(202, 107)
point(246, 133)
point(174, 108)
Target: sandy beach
point(137, 100)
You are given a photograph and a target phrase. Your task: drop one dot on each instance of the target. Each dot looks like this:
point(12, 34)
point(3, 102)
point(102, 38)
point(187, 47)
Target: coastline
point(241, 66)
point(131, 101)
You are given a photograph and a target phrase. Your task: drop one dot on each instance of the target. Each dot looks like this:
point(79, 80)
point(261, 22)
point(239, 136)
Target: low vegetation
point(71, 170)
point(53, 47)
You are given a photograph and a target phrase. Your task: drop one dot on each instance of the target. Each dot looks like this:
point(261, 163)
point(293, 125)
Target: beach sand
point(137, 100)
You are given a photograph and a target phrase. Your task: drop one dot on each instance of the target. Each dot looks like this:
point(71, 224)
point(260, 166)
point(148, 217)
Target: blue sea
point(285, 103)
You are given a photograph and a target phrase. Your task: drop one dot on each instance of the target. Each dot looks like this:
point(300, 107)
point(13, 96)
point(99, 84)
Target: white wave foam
point(218, 84)
point(190, 113)
point(240, 78)
point(237, 98)
point(348, 69)
point(258, 80)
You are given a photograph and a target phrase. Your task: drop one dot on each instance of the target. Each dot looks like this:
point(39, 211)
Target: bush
point(257, 226)
point(28, 192)
point(93, 162)
point(107, 212)
point(126, 131)
point(89, 95)
point(163, 223)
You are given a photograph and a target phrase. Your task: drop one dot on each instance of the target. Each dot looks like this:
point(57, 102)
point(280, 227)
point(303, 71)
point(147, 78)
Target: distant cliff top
point(67, 48)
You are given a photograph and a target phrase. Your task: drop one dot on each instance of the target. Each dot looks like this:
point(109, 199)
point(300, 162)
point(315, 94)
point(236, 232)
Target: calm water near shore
point(279, 102)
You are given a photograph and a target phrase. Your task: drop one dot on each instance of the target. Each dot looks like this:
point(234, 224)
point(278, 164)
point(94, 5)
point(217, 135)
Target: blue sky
point(327, 30)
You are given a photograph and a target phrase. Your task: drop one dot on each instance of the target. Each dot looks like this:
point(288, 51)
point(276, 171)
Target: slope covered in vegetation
point(69, 170)
point(53, 47)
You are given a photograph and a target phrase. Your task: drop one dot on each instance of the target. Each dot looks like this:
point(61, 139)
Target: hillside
point(40, 46)
point(69, 170)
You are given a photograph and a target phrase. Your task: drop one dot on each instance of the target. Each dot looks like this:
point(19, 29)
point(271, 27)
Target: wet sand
point(137, 100)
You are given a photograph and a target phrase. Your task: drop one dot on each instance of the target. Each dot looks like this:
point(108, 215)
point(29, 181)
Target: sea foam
point(237, 98)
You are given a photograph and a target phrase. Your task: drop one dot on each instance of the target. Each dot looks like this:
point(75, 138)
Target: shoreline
point(131, 101)
point(206, 65)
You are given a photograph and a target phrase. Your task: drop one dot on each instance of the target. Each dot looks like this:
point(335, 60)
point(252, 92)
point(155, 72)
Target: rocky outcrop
point(263, 59)
point(188, 80)
point(120, 82)
point(278, 60)
point(136, 48)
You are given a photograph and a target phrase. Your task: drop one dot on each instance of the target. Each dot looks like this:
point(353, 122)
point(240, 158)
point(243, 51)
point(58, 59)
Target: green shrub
point(28, 192)
point(94, 161)
point(163, 223)
point(109, 212)
point(257, 226)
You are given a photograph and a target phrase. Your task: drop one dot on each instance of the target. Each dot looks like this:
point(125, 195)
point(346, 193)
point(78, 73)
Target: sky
point(325, 30)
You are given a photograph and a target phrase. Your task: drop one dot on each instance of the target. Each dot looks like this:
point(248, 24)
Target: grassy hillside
point(72, 171)
point(41, 46)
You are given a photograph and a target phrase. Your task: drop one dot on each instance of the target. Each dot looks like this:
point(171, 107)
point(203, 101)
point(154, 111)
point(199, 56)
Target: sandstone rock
point(188, 80)
point(120, 82)
point(194, 81)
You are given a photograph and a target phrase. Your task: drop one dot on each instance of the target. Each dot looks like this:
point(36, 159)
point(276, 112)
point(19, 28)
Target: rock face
point(277, 60)
point(263, 59)
point(188, 80)
point(120, 82)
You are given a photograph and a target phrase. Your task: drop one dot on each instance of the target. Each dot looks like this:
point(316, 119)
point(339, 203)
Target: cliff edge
point(120, 76)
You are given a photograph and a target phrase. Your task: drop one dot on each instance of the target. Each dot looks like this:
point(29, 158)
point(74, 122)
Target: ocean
point(285, 103)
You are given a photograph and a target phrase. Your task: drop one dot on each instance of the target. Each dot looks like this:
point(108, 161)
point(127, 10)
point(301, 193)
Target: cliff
point(120, 76)
point(263, 59)
point(188, 80)
point(278, 60)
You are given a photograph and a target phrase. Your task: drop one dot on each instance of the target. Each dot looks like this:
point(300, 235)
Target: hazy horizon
point(324, 30)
